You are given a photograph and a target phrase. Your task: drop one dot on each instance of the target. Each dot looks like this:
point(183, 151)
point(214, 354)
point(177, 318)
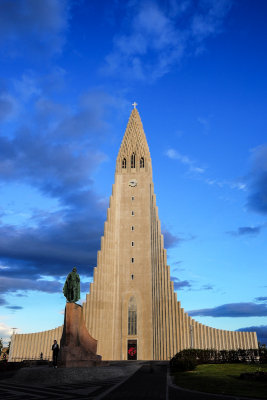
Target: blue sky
point(70, 71)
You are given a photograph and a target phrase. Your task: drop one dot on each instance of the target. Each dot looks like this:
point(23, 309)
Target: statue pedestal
point(77, 347)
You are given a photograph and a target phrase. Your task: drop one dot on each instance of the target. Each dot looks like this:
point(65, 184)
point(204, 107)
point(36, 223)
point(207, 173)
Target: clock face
point(133, 182)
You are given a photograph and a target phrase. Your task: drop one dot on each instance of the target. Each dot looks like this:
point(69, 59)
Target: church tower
point(119, 306)
point(132, 309)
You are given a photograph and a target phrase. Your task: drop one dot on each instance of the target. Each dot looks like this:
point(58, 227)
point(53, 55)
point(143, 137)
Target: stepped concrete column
point(77, 347)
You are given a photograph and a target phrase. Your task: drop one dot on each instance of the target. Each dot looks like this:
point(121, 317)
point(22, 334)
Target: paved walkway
point(127, 381)
point(149, 382)
point(71, 391)
point(64, 383)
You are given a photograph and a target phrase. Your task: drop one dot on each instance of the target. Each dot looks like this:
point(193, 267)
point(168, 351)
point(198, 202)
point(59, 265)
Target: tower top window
point(133, 160)
point(142, 162)
point(123, 164)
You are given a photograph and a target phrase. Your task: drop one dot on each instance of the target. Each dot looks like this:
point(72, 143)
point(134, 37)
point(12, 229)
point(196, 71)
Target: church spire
point(134, 151)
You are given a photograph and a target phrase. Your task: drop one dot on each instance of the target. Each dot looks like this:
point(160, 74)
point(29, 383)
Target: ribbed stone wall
point(29, 346)
point(173, 329)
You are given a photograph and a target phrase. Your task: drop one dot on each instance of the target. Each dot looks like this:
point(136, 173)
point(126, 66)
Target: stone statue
point(71, 288)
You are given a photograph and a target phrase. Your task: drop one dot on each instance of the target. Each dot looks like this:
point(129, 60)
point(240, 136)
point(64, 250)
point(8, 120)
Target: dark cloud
point(35, 160)
point(232, 310)
point(260, 330)
point(177, 266)
point(33, 26)
point(53, 247)
point(52, 242)
point(15, 308)
point(15, 284)
point(177, 262)
point(7, 105)
point(3, 302)
point(207, 287)
point(180, 285)
point(91, 118)
point(246, 230)
point(257, 199)
point(170, 240)
point(263, 298)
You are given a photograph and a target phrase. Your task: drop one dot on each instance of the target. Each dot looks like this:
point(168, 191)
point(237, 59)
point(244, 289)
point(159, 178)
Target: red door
point(132, 349)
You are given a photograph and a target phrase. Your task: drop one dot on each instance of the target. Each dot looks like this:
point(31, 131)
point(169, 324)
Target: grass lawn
point(223, 378)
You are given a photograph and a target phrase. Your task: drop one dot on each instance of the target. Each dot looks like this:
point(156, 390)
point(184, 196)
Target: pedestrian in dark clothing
point(55, 349)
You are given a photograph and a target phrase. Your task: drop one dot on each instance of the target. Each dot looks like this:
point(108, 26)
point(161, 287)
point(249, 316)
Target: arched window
point(133, 160)
point(132, 317)
point(142, 162)
point(123, 164)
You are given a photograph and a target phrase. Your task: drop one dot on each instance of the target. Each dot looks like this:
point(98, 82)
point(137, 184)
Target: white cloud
point(171, 153)
point(175, 155)
point(157, 35)
point(239, 185)
point(27, 87)
point(5, 332)
point(193, 167)
point(204, 122)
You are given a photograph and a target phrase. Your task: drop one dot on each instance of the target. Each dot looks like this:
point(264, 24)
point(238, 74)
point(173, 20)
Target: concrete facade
point(132, 299)
point(27, 346)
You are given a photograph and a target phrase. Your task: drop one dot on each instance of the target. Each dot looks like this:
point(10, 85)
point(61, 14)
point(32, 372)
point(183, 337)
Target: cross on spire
point(134, 104)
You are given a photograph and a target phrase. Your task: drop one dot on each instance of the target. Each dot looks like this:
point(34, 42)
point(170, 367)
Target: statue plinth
point(77, 347)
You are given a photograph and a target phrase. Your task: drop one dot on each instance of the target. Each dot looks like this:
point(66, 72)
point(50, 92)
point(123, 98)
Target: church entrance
point(132, 350)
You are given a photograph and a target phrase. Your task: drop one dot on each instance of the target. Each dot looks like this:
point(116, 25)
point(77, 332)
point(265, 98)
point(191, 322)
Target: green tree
point(9, 343)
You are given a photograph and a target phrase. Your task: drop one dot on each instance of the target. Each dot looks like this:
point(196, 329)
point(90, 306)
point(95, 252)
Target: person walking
point(55, 349)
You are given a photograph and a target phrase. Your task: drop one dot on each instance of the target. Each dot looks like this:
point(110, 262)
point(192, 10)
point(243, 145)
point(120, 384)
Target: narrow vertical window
point(132, 244)
point(132, 228)
point(132, 197)
point(133, 160)
point(132, 276)
point(123, 165)
point(142, 162)
point(132, 212)
point(132, 316)
point(132, 260)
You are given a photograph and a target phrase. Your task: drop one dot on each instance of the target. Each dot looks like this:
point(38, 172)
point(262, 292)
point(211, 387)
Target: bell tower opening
point(133, 160)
